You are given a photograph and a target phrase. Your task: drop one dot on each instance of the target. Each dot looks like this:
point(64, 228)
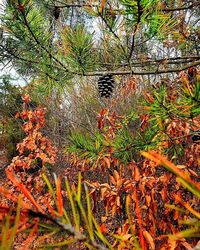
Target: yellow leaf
point(103, 219)
point(149, 238)
point(126, 237)
point(116, 175)
point(118, 201)
point(105, 185)
point(103, 191)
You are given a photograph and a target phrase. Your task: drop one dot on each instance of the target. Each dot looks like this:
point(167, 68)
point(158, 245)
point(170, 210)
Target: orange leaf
point(148, 200)
point(112, 180)
point(23, 189)
point(118, 201)
point(102, 6)
point(12, 197)
point(59, 196)
point(114, 209)
point(107, 161)
point(187, 245)
point(136, 174)
point(172, 245)
point(103, 192)
point(161, 160)
point(26, 98)
point(193, 173)
point(103, 219)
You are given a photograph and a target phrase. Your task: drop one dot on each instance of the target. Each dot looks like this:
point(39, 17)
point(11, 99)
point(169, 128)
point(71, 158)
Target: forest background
point(100, 148)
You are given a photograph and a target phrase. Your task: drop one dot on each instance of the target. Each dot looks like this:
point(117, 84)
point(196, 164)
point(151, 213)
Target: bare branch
point(185, 7)
point(81, 5)
point(129, 72)
point(162, 61)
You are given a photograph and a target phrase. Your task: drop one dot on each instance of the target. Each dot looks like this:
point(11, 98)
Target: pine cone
point(106, 85)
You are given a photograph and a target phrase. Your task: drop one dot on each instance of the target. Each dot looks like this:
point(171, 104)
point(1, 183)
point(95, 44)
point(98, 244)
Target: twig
point(180, 8)
point(72, 5)
point(186, 7)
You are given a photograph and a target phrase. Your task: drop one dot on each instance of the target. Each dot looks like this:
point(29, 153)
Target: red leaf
point(103, 228)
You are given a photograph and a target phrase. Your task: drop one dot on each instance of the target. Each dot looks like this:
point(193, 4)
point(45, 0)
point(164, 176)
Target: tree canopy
point(92, 38)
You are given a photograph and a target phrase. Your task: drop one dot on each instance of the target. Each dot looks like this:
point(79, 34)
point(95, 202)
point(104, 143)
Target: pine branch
point(129, 72)
point(134, 145)
point(167, 61)
point(172, 60)
point(31, 62)
point(67, 228)
point(37, 40)
point(80, 5)
point(125, 72)
point(136, 27)
point(184, 7)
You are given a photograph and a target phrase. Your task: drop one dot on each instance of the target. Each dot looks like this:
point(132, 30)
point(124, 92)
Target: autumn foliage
point(127, 195)
point(35, 146)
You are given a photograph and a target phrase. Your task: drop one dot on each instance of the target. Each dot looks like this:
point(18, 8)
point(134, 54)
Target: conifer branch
point(67, 228)
point(139, 13)
point(38, 42)
point(153, 72)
